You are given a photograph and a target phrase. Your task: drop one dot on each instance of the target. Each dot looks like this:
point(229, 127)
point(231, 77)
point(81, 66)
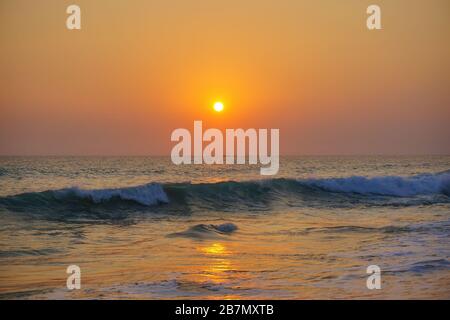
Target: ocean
point(144, 228)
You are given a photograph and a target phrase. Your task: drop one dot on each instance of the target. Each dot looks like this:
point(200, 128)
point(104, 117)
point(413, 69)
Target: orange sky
point(139, 69)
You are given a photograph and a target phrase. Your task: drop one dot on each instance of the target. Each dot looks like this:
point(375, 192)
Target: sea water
point(142, 227)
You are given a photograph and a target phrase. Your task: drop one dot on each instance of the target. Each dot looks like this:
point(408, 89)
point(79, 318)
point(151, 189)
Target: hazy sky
point(139, 69)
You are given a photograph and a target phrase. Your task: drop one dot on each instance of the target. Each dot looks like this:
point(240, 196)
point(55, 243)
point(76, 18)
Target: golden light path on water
point(219, 265)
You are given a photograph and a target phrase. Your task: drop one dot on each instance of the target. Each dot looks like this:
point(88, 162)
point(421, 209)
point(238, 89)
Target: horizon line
point(281, 155)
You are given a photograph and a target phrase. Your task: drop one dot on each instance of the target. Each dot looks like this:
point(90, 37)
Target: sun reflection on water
point(218, 267)
point(215, 249)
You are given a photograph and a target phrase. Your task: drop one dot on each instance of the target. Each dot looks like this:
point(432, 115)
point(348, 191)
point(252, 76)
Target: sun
point(218, 106)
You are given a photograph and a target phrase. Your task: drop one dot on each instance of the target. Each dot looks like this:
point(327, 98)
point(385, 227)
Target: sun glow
point(218, 106)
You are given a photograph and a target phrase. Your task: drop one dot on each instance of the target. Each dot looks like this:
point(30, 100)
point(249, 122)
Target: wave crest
point(232, 196)
point(148, 194)
point(201, 231)
point(423, 184)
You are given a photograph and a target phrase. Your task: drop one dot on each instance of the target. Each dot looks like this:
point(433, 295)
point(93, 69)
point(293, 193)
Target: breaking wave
point(148, 195)
point(387, 186)
point(259, 195)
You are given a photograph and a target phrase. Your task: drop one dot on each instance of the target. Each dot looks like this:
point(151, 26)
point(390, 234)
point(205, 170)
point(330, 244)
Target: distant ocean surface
point(141, 227)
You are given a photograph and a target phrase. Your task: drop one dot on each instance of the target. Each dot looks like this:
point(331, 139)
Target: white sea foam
point(149, 194)
point(387, 185)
